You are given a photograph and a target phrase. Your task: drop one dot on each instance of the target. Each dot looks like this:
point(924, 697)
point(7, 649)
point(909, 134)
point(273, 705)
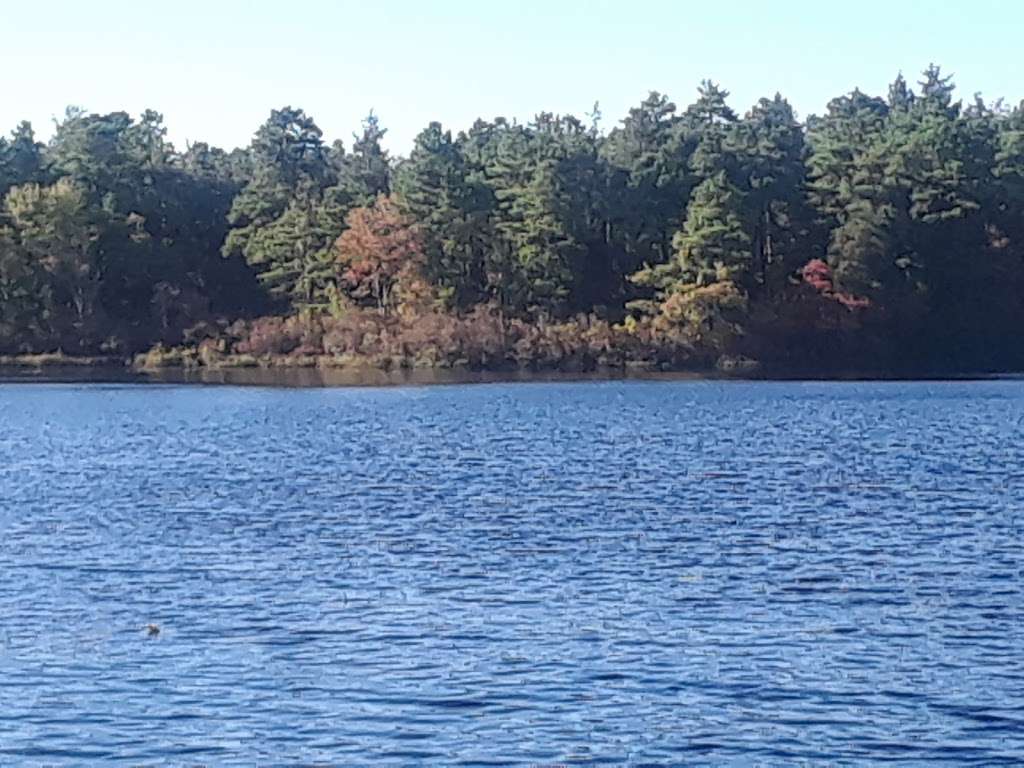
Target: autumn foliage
point(380, 257)
point(818, 275)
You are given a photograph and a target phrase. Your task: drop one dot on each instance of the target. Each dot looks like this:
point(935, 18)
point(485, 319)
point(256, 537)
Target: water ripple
point(621, 573)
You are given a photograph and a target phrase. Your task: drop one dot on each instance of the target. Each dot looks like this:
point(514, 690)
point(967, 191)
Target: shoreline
point(315, 373)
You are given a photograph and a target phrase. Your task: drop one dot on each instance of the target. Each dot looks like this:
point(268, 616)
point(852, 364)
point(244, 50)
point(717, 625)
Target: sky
point(215, 68)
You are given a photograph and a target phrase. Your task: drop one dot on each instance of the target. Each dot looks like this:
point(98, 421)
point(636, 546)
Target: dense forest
point(886, 234)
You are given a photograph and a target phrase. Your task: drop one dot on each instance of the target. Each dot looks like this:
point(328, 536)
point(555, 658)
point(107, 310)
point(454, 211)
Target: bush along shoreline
point(885, 236)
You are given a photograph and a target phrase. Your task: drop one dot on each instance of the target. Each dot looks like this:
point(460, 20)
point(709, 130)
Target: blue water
point(620, 573)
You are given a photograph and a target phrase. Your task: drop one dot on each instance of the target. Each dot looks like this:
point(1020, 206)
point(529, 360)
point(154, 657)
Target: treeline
point(887, 233)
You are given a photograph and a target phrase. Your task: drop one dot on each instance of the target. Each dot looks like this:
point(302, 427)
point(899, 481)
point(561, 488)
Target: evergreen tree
point(434, 189)
point(21, 159)
point(1008, 170)
point(711, 107)
point(899, 220)
point(647, 168)
point(713, 245)
point(274, 221)
point(773, 177)
point(532, 269)
point(369, 165)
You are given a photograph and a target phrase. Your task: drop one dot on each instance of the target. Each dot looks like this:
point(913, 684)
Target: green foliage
point(648, 158)
point(272, 221)
point(145, 223)
point(887, 228)
point(369, 166)
point(52, 247)
point(294, 204)
point(21, 158)
point(436, 190)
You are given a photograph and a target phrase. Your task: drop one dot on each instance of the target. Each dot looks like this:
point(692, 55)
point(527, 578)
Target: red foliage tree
point(379, 255)
point(818, 275)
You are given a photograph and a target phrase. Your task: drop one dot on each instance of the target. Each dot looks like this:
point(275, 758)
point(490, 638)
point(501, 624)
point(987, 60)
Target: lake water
point(619, 573)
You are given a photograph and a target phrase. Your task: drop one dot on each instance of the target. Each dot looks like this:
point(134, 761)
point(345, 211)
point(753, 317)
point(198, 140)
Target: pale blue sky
point(215, 68)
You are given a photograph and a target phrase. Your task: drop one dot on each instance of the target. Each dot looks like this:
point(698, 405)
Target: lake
point(620, 573)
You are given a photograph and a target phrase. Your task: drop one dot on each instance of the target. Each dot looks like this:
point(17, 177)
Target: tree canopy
point(890, 227)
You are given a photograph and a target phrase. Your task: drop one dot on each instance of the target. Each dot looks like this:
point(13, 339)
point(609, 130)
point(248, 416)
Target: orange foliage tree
point(380, 256)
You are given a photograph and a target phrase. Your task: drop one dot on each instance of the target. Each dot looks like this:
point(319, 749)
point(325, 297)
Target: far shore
point(323, 371)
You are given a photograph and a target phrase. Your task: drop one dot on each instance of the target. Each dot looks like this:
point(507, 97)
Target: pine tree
point(435, 190)
point(369, 166)
point(711, 107)
point(21, 159)
point(1009, 173)
point(274, 221)
point(771, 161)
point(713, 245)
point(853, 125)
point(533, 269)
point(901, 98)
point(649, 178)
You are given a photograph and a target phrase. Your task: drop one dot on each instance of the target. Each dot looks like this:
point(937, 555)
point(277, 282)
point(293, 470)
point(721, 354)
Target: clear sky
point(215, 68)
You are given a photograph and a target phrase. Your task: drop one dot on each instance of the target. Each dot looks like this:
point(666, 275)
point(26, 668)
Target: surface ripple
point(620, 573)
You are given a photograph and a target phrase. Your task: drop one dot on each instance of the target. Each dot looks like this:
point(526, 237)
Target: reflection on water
point(318, 377)
point(623, 573)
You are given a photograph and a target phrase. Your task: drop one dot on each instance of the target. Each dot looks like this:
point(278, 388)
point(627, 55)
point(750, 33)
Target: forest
point(885, 235)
